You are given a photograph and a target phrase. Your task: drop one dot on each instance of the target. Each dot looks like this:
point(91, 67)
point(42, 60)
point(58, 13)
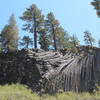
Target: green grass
point(21, 92)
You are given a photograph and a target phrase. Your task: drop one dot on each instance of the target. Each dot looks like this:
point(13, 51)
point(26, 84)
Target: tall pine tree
point(33, 18)
point(62, 38)
point(89, 40)
point(52, 24)
point(9, 36)
point(44, 39)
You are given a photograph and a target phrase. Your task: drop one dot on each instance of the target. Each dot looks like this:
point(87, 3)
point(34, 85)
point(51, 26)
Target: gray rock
point(52, 70)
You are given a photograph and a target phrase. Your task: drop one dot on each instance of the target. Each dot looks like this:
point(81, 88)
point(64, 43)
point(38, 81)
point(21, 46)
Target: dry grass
point(20, 92)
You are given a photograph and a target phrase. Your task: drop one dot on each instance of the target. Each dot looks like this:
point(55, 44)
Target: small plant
point(81, 56)
point(90, 50)
point(36, 55)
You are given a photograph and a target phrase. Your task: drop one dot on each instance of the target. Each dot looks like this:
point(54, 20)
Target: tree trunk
point(90, 42)
point(35, 39)
point(54, 38)
point(55, 46)
point(27, 45)
point(35, 34)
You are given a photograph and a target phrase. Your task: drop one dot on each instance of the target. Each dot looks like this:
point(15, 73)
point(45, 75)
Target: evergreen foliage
point(52, 25)
point(9, 36)
point(62, 38)
point(33, 18)
point(89, 40)
point(26, 41)
point(74, 40)
point(44, 39)
point(96, 4)
point(49, 31)
point(99, 43)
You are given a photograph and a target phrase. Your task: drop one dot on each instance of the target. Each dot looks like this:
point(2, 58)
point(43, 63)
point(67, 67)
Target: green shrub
point(36, 55)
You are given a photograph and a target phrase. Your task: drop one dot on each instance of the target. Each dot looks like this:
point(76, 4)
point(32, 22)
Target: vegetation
point(44, 40)
point(96, 4)
point(62, 38)
point(89, 40)
point(26, 41)
point(33, 18)
point(9, 36)
point(21, 92)
point(99, 43)
point(48, 33)
point(16, 92)
point(74, 40)
point(52, 24)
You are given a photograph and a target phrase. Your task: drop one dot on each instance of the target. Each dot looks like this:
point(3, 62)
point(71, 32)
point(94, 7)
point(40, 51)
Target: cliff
point(52, 70)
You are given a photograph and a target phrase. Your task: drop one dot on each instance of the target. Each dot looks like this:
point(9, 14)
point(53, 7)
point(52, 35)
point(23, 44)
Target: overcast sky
point(75, 16)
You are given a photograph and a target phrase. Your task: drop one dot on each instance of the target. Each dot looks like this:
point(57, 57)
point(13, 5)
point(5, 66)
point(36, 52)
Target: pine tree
point(96, 4)
point(89, 40)
point(26, 41)
point(52, 24)
point(74, 40)
point(9, 36)
point(0, 43)
point(62, 38)
point(99, 43)
point(33, 18)
point(44, 39)
point(12, 22)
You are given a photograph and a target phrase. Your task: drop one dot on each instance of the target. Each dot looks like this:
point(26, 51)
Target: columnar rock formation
point(52, 70)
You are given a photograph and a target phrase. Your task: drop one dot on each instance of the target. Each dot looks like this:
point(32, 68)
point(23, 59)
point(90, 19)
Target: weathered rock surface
point(52, 70)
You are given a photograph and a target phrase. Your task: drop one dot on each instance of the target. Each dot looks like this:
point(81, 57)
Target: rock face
point(52, 70)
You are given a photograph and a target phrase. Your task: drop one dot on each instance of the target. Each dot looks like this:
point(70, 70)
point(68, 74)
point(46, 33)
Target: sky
point(75, 16)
